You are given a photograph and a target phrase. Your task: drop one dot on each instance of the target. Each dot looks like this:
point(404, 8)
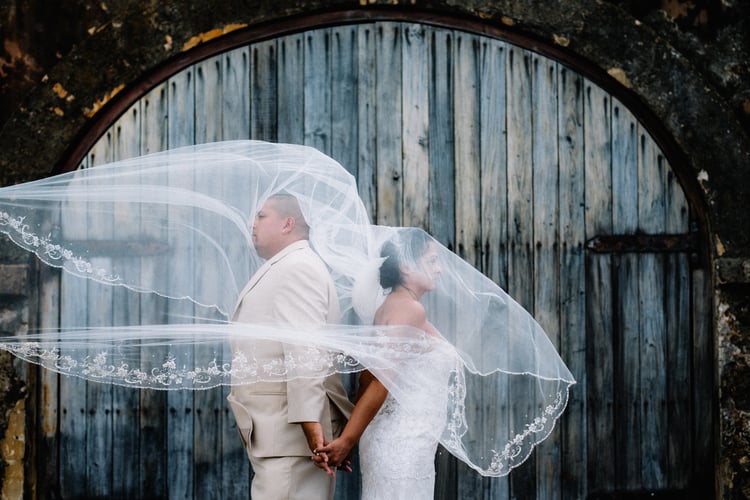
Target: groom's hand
point(320, 460)
point(315, 440)
point(314, 434)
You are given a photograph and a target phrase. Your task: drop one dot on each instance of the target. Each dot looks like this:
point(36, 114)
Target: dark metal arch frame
point(674, 154)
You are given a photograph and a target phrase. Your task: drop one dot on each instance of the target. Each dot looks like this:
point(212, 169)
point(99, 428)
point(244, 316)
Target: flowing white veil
point(506, 385)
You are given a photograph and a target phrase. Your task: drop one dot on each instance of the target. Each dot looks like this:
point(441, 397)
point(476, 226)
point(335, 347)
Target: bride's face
point(427, 269)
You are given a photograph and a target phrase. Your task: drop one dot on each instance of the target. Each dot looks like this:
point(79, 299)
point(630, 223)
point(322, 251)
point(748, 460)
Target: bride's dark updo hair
point(411, 245)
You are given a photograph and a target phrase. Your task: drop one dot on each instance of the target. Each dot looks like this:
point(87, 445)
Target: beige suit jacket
point(293, 287)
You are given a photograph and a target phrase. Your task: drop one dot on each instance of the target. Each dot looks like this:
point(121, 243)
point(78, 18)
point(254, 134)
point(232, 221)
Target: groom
point(280, 423)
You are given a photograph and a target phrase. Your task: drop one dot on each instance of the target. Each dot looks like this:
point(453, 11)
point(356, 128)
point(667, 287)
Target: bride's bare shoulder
point(398, 310)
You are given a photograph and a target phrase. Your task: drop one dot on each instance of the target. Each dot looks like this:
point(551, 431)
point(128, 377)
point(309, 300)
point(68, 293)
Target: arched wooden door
point(527, 169)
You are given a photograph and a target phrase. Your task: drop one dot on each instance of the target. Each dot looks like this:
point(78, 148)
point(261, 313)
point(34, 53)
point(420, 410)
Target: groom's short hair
point(288, 206)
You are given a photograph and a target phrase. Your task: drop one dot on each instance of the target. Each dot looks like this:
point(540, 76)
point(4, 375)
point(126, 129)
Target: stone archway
point(714, 149)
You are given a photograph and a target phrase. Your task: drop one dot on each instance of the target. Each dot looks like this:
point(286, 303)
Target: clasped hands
point(333, 455)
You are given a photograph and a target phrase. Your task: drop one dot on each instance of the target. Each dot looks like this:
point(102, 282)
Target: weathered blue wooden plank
point(366, 114)
point(494, 219)
point(50, 405)
point(73, 305)
point(442, 223)
point(653, 342)
point(291, 95)
point(344, 104)
point(126, 311)
point(468, 200)
point(466, 136)
point(345, 141)
point(388, 124)
point(600, 363)
point(317, 89)
point(624, 221)
point(704, 380)
point(235, 82)
point(546, 229)
point(263, 86)
point(207, 428)
point(234, 467)
point(677, 306)
point(152, 434)
point(180, 428)
point(493, 159)
point(415, 57)
point(520, 187)
point(520, 234)
point(208, 100)
point(573, 464)
point(99, 313)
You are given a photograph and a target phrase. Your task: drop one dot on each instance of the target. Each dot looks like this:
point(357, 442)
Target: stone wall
point(15, 291)
point(687, 61)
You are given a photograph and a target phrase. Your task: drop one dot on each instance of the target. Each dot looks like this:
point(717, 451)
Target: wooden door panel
point(509, 158)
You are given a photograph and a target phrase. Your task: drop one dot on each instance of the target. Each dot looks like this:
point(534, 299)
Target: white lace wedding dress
point(397, 449)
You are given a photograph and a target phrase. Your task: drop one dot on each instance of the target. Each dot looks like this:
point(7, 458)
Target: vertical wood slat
point(235, 113)
point(678, 347)
point(492, 144)
point(388, 124)
point(573, 462)
point(126, 305)
point(599, 307)
point(627, 413)
point(263, 91)
point(207, 453)
point(73, 415)
point(345, 140)
point(653, 382)
point(208, 111)
point(442, 192)
point(317, 89)
point(704, 427)
point(520, 237)
point(234, 480)
point(366, 117)
point(520, 232)
point(181, 131)
point(152, 437)
point(99, 396)
point(624, 221)
point(546, 278)
point(416, 116)
point(50, 406)
point(291, 96)
point(442, 223)
point(493, 158)
point(344, 100)
point(467, 199)
point(466, 137)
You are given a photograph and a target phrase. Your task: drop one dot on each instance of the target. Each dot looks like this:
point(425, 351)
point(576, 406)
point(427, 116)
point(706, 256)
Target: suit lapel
point(250, 284)
point(262, 270)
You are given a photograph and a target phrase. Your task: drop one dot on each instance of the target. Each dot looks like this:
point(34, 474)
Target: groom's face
point(268, 230)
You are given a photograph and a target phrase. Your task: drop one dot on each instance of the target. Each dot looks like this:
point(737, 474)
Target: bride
point(398, 445)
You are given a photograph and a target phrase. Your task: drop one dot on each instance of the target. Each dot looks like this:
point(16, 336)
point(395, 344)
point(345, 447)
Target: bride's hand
point(338, 453)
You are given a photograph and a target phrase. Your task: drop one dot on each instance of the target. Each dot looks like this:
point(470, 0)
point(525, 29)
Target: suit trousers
point(289, 478)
